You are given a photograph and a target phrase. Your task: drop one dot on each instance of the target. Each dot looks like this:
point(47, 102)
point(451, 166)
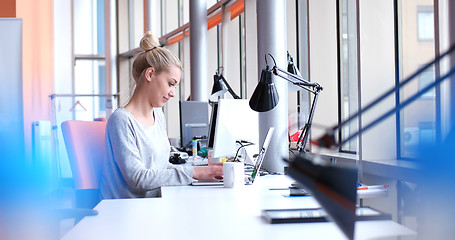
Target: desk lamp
point(221, 86)
point(265, 96)
point(335, 187)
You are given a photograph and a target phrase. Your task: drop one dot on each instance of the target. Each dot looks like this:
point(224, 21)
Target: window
point(426, 133)
point(426, 78)
point(418, 120)
point(425, 23)
point(348, 71)
point(89, 58)
point(80, 84)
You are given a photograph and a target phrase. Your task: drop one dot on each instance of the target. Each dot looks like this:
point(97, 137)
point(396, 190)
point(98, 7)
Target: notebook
point(248, 179)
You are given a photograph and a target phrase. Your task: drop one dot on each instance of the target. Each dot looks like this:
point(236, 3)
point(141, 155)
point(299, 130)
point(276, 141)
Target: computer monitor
point(212, 126)
point(193, 121)
point(235, 120)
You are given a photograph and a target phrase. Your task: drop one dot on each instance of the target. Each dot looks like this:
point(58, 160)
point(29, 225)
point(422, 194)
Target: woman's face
point(162, 86)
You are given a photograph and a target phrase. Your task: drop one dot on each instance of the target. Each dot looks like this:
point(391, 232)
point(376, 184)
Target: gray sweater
point(137, 160)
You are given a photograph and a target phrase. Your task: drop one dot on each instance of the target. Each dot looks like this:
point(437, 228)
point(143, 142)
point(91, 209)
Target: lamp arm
point(303, 138)
point(235, 96)
point(294, 79)
point(314, 88)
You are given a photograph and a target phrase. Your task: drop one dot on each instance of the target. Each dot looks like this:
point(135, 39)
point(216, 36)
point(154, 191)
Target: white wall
point(323, 62)
point(291, 21)
point(185, 58)
point(137, 22)
point(63, 64)
point(377, 76)
point(251, 54)
point(123, 45)
point(212, 58)
point(232, 59)
point(170, 16)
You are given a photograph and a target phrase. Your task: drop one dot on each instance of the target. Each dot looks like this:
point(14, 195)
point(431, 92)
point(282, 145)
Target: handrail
point(54, 95)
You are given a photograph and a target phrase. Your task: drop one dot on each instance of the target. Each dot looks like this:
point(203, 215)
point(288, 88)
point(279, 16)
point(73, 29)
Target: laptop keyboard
point(202, 162)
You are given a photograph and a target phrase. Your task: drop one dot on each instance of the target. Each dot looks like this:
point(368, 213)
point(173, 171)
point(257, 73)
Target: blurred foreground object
point(335, 188)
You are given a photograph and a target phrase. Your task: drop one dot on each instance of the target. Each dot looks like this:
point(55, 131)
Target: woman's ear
point(149, 73)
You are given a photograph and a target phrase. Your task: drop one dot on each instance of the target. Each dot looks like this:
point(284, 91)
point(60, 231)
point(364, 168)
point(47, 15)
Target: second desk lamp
point(221, 86)
point(334, 187)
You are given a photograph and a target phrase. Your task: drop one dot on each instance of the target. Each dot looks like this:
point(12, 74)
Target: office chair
point(84, 141)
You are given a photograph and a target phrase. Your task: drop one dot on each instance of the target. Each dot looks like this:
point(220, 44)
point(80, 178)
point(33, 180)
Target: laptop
point(248, 179)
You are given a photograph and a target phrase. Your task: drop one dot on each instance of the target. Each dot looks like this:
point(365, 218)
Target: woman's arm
point(208, 172)
point(127, 156)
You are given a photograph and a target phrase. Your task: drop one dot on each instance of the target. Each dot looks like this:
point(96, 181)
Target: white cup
point(233, 174)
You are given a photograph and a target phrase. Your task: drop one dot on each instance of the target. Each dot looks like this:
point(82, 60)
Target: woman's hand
point(208, 172)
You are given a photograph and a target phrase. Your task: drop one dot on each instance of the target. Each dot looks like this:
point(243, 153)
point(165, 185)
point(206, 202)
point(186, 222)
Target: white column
point(111, 47)
point(271, 32)
point(152, 17)
point(198, 50)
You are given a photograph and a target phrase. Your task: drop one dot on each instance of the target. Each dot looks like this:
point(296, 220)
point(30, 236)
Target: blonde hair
point(154, 56)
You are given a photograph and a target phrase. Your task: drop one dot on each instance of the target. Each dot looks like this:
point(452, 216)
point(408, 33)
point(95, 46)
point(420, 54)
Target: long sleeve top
point(137, 161)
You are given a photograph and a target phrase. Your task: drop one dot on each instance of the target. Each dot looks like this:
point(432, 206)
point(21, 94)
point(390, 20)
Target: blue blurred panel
point(11, 106)
point(24, 199)
point(11, 110)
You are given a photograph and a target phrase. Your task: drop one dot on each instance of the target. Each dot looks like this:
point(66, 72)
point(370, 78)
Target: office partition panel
point(11, 102)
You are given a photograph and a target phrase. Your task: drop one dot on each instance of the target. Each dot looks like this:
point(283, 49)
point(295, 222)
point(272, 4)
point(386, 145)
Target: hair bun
point(149, 41)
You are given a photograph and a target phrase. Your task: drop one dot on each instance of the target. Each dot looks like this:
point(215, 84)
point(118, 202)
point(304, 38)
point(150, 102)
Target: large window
point(81, 88)
point(89, 58)
point(415, 35)
point(418, 121)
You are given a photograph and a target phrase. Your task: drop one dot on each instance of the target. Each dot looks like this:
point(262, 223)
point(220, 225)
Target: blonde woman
point(137, 161)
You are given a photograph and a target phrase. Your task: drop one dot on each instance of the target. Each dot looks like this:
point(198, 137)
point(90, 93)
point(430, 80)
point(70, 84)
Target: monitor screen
point(193, 121)
point(235, 120)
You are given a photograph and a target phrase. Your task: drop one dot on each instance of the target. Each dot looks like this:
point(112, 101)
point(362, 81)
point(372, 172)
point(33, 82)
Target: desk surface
point(215, 212)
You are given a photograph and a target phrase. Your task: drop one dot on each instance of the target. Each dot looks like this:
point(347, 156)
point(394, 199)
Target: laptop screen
point(262, 152)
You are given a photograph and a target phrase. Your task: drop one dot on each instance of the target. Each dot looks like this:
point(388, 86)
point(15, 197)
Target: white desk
point(214, 212)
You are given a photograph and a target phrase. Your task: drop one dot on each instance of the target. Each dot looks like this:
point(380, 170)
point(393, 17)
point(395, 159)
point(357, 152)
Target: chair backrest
point(84, 141)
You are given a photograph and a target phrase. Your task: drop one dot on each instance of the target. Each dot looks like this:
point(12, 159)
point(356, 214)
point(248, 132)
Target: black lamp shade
point(293, 69)
point(219, 88)
point(265, 96)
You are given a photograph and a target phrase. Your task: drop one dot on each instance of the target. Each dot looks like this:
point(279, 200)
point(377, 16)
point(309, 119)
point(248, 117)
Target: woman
point(137, 161)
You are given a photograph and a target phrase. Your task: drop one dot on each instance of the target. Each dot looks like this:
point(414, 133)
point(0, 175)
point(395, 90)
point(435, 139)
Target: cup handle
point(232, 168)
